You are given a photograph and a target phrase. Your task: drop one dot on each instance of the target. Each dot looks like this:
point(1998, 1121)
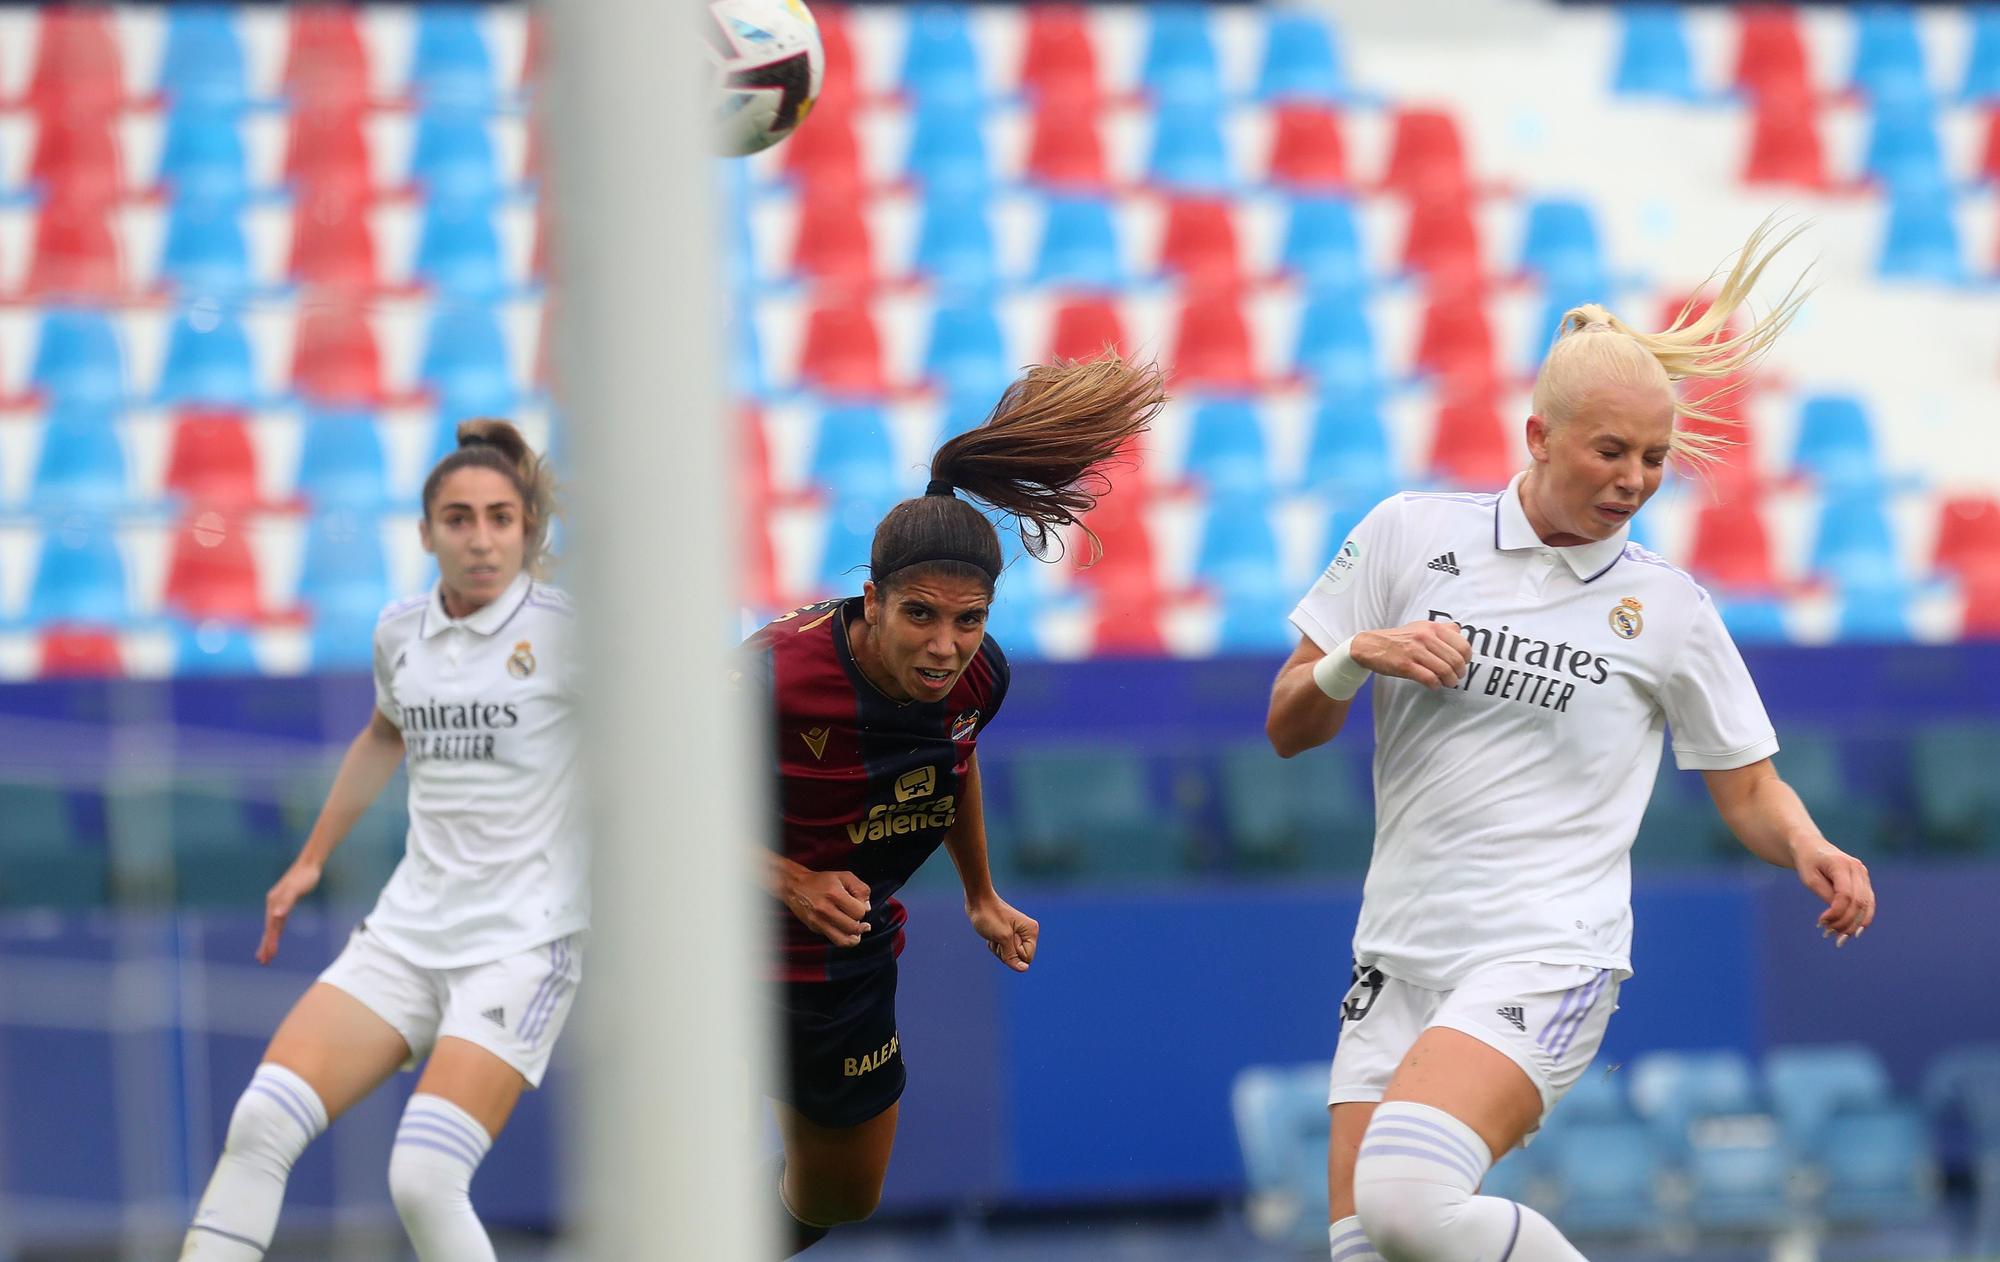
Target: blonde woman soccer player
point(1526, 658)
point(472, 954)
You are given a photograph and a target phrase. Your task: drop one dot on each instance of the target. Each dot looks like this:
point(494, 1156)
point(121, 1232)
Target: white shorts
point(514, 1007)
point(1546, 1018)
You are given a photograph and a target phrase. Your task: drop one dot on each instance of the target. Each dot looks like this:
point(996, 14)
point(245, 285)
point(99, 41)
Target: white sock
point(1413, 1191)
point(1350, 1243)
point(277, 1116)
point(438, 1146)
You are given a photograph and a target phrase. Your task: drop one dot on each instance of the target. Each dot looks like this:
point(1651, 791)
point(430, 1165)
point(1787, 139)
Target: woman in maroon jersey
point(879, 699)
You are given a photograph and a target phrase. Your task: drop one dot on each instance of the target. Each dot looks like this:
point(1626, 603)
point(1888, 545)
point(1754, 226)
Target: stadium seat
point(1560, 247)
point(1813, 764)
point(333, 247)
point(1785, 148)
point(967, 355)
point(1211, 347)
point(1307, 154)
point(824, 160)
point(77, 359)
point(1426, 156)
point(1874, 609)
point(1888, 54)
point(747, 377)
point(453, 159)
point(1255, 619)
point(335, 359)
point(1189, 153)
point(1059, 60)
point(1226, 450)
point(1089, 811)
point(1836, 445)
point(344, 572)
point(1731, 547)
point(843, 352)
point(202, 159)
point(212, 572)
point(326, 157)
point(44, 863)
point(1961, 1097)
point(65, 652)
point(1441, 242)
point(1853, 537)
point(458, 253)
point(1079, 245)
point(1669, 1089)
point(326, 62)
point(219, 859)
point(1877, 1165)
point(833, 247)
point(452, 67)
point(82, 464)
point(342, 640)
point(1301, 59)
point(1336, 346)
point(1653, 56)
point(1957, 797)
point(1979, 589)
point(208, 362)
point(1771, 51)
point(1084, 328)
point(1597, 1096)
point(955, 247)
point(1125, 619)
point(466, 366)
point(948, 152)
point(1199, 247)
point(1280, 1115)
point(1179, 66)
point(213, 648)
point(1065, 152)
point(855, 455)
point(1754, 619)
point(206, 255)
point(211, 461)
point(1921, 240)
point(1739, 1175)
point(203, 63)
point(1322, 245)
point(1968, 532)
point(1455, 335)
point(1608, 1173)
point(78, 161)
point(75, 255)
point(80, 577)
point(77, 72)
point(940, 64)
point(1469, 446)
point(341, 463)
point(1680, 828)
point(1238, 549)
point(848, 536)
point(1904, 151)
point(1807, 1084)
point(1982, 61)
point(1348, 450)
point(1311, 813)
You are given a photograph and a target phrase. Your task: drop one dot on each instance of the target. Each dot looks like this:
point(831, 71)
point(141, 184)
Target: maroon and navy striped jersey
point(864, 784)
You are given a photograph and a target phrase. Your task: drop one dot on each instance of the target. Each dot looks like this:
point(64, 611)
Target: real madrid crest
point(1626, 622)
point(522, 663)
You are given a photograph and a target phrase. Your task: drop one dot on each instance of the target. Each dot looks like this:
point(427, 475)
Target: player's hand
point(1009, 934)
point(1433, 654)
point(833, 905)
point(1841, 881)
point(298, 881)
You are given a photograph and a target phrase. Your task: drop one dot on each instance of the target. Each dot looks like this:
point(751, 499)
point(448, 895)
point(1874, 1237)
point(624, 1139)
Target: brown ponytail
point(495, 444)
point(1039, 458)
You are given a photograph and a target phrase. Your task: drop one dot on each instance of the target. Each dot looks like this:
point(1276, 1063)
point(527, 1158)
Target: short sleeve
point(385, 692)
point(1353, 593)
point(1711, 703)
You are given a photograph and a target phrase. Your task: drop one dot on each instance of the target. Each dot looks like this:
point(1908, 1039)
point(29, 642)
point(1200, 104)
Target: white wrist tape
point(1338, 675)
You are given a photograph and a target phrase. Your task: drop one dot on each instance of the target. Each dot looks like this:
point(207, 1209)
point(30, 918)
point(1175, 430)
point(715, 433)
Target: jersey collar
point(483, 621)
point(1513, 533)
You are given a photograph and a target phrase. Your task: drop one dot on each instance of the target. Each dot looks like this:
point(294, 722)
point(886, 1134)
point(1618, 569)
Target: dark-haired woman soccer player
point(473, 952)
point(879, 700)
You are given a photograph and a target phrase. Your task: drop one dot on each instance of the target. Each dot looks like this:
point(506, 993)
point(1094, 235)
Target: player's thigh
point(474, 1079)
point(338, 1045)
point(1474, 1082)
point(834, 1172)
point(1345, 1126)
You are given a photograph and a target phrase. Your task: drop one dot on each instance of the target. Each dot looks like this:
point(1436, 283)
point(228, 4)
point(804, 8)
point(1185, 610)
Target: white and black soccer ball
point(769, 67)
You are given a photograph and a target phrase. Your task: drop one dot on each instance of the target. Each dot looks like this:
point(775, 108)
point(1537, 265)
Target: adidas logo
point(1448, 563)
point(498, 1016)
point(1511, 1012)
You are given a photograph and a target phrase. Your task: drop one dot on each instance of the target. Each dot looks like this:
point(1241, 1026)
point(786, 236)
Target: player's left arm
point(1771, 822)
point(1009, 934)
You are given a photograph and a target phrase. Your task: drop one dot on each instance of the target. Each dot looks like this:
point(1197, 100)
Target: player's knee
point(1413, 1180)
point(277, 1115)
point(424, 1188)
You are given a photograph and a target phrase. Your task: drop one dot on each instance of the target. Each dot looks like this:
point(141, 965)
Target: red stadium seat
point(1989, 151)
point(757, 566)
point(1065, 151)
point(843, 352)
point(1784, 142)
point(77, 73)
point(1085, 328)
point(1731, 548)
point(838, 92)
point(1455, 332)
point(1696, 306)
point(79, 653)
point(1200, 244)
point(1734, 471)
point(1426, 155)
point(1059, 64)
point(76, 161)
point(326, 63)
point(1307, 154)
point(1968, 533)
point(1771, 51)
point(832, 245)
point(75, 255)
point(1442, 241)
point(212, 461)
point(333, 247)
point(824, 156)
point(213, 573)
point(1979, 585)
point(326, 155)
point(1212, 347)
point(1125, 620)
point(335, 359)
point(1469, 445)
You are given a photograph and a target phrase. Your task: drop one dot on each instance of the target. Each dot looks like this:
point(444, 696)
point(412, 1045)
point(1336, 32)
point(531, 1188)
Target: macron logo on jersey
point(1448, 563)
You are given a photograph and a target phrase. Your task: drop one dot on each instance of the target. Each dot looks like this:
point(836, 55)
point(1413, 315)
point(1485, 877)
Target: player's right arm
point(833, 905)
point(364, 772)
point(1302, 715)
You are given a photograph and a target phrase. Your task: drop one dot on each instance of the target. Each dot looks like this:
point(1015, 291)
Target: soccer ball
point(769, 67)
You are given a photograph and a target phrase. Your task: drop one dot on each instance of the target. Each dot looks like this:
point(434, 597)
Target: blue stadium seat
point(1336, 346)
point(213, 648)
point(1257, 621)
point(1957, 800)
point(1189, 154)
point(206, 254)
point(345, 572)
point(1806, 1084)
point(1835, 445)
point(44, 862)
point(848, 534)
point(1079, 247)
point(967, 355)
point(1888, 53)
point(1226, 450)
point(343, 639)
point(1755, 619)
point(458, 252)
point(1653, 56)
point(964, 410)
point(208, 361)
point(341, 463)
point(940, 65)
point(82, 465)
point(1853, 537)
point(1014, 615)
point(1239, 550)
point(746, 358)
point(1874, 608)
point(1921, 241)
point(77, 360)
point(1606, 1173)
point(1349, 449)
point(1669, 1089)
point(1961, 1095)
point(1180, 66)
point(1280, 1116)
point(1561, 246)
point(1982, 63)
point(1301, 58)
point(955, 245)
point(452, 67)
point(1311, 813)
point(1877, 1164)
point(467, 365)
point(202, 158)
point(1740, 1174)
point(1090, 811)
point(1322, 245)
point(1598, 1096)
point(1904, 151)
point(80, 577)
point(948, 153)
point(203, 62)
point(453, 157)
point(855, 454)
point(1817, 769)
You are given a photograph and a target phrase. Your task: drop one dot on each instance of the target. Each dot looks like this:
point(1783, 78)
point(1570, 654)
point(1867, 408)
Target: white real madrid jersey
point(1505, 807)
point(496, 861)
